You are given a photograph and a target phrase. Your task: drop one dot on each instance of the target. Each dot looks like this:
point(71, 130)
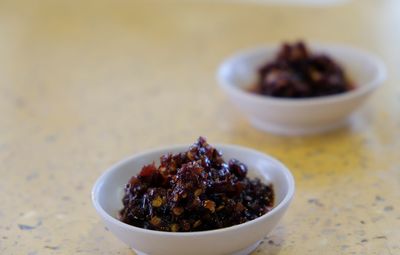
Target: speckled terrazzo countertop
point(83, 85)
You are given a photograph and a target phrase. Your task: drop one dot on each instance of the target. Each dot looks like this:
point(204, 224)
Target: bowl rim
point(99, 182)
point(378, 79)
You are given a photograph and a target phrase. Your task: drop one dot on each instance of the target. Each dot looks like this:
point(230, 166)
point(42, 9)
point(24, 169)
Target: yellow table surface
point(84, 84)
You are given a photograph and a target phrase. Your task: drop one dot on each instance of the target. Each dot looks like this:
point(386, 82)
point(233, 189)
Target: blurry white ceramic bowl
point(299, 116)
point(240, 239)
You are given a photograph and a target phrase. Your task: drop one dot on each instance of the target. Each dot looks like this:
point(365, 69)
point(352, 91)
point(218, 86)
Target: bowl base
point(294, 131)
point(245, 251)
point(248, 250)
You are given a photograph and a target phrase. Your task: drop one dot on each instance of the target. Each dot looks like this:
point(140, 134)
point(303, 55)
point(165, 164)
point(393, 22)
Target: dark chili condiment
point(193, 191)
point(297, 73)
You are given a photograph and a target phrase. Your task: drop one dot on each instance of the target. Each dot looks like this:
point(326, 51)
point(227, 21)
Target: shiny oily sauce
point(297, 73)
point(195, 190)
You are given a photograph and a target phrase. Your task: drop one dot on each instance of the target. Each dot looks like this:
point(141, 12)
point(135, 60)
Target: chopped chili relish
point(297, 73)
point(195, 190)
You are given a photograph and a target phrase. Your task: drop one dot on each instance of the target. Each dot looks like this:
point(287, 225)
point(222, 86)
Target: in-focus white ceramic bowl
point(306, 115)
point(240, 239)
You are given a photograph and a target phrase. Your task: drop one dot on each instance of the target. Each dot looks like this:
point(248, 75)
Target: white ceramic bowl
point(240, 239)
point(299, 116)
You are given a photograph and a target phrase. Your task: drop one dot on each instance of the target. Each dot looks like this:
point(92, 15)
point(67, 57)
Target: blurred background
point(86, 83)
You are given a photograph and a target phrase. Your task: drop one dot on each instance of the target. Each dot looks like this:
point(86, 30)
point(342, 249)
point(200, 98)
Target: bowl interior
point(241, 70)
point(108, 190)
